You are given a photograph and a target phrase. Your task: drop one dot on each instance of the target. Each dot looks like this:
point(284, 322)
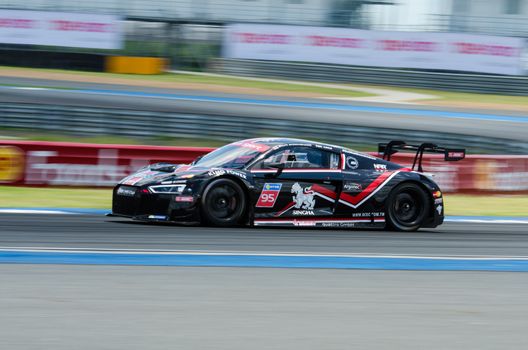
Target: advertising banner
point(60, 29)
point(84, 165)
point(419, 50)
point(89, 165)
point(475, 173)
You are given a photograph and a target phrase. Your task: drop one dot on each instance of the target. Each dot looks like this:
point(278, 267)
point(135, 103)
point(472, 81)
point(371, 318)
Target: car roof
point(274, 141)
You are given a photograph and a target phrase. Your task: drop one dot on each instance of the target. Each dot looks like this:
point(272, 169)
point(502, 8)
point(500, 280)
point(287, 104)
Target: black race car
point(288, 182)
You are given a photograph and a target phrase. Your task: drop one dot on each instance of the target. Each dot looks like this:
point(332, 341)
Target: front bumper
point(142, 205)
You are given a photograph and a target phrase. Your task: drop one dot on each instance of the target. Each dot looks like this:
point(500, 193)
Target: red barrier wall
point(476, 173)
point(77, 164)
point(89, 165)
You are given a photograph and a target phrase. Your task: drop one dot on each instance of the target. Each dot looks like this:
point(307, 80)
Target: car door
point(363, 177)
point(306, 187)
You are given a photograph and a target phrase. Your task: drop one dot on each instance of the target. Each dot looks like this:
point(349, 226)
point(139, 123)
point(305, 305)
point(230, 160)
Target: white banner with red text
point(60, 29)
point(419, 50)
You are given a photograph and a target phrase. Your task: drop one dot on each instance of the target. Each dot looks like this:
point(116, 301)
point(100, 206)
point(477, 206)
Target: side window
point(302, 158)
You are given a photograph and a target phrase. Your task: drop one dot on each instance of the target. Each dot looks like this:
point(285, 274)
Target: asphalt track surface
point(123, 307)
point(509, 125)
point(100, 232)
point(161, 307)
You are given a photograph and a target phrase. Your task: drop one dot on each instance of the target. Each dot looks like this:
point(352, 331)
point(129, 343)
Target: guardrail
point(89, 165)
point(94, 121)
point(479, 83)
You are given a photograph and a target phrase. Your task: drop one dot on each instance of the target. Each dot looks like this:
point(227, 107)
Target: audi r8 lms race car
point(288, 182)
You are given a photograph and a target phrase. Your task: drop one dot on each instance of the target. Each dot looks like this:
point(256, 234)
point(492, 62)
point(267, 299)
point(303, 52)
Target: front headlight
point(167, 189)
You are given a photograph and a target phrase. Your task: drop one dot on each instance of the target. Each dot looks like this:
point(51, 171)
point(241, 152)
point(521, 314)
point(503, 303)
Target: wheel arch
point(420, 184)
point(248, 213)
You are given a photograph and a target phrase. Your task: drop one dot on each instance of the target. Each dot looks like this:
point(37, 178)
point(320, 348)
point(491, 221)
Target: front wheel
point(406, 207)
point(223, 203)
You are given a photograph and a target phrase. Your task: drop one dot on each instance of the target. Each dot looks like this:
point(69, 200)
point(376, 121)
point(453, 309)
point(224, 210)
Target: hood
point(160, 172)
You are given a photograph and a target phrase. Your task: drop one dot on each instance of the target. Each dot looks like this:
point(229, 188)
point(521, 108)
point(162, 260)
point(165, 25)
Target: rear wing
point(386, 150)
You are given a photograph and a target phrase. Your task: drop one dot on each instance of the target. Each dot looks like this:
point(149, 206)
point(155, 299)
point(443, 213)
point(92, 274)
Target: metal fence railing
point(90, 121)
point(299, 12)
point(507, 25)
point(479, 83)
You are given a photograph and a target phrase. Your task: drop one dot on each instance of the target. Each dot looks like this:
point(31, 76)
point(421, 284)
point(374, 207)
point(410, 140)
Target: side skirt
point(322, 222)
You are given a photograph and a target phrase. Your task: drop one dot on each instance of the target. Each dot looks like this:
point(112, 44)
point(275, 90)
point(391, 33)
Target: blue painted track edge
point(265, 261)
point(300, 104)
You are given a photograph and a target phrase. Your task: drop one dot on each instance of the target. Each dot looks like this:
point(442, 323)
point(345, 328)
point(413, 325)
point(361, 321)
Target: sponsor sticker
point(303, 212)
point(268, 196)
point(380, 167)
point(220, 172)
point(352, 186)
point(378, 214)
point(184, 199)
point(352, 163)
point(126, 191)
point(304, 197)
point(236, 173)
point(305, 223)
point(259, 147)
point(455, 154)
point(216, 172)
point(338, 224)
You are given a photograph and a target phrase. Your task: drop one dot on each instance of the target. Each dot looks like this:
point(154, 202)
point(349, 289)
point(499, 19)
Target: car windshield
point(234, 156)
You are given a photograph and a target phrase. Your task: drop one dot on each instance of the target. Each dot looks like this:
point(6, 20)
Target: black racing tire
point(406, 208)
point(223, 203)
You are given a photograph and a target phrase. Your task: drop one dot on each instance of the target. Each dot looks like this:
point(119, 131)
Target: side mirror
point(275, 165)
point(279, 165)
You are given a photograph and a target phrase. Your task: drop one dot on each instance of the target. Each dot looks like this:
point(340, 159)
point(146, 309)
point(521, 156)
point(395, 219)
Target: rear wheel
point(406, 207)
point(223, 203)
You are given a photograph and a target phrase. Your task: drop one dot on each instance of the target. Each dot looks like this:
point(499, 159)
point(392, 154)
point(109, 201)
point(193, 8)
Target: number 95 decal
point(269, 195)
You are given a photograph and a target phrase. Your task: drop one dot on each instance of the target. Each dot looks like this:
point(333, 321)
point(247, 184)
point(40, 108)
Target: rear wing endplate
point(386, 150)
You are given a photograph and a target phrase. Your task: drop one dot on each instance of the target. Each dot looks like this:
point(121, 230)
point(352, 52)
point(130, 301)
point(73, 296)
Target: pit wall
point(27, 163)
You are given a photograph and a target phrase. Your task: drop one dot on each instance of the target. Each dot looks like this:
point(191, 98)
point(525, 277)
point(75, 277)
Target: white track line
point(489, 220)
point(246, 253)
point(33, 211)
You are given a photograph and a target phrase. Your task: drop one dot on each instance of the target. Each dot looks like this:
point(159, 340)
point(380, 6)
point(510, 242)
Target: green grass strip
point(31, 197)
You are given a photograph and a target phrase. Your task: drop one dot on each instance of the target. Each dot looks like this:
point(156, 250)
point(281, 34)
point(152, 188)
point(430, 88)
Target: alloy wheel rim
point(223, 202)
point(407, 208)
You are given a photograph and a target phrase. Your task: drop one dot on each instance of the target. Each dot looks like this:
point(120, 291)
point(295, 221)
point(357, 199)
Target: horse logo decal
point(303, 198)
